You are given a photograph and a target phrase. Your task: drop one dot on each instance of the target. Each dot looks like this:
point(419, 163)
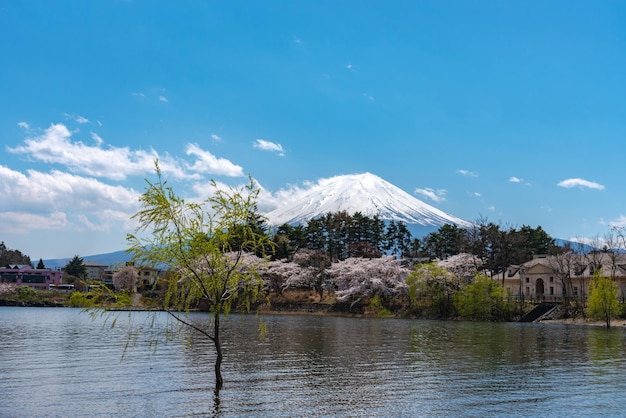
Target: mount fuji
point(365, 193)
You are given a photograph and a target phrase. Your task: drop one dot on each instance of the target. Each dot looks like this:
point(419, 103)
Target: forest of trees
point(341, 236)
point(12, 257)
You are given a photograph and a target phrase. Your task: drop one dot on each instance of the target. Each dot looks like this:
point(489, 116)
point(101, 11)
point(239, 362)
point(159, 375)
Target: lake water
point(61, 363)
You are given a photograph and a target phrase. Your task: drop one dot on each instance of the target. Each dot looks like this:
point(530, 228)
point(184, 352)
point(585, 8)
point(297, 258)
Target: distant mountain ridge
point(365, 193)
point(113, 259)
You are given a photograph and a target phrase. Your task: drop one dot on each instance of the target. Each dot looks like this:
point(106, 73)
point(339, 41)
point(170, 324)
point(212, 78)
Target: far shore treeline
point(317, 263)
point(342, 236)
point(341, 263)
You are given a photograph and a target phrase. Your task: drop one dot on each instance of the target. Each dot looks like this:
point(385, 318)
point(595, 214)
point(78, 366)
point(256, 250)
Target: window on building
point(575, 290)
point(551, 290)
point(551, 279)
point(527, 279)
point(527, 290)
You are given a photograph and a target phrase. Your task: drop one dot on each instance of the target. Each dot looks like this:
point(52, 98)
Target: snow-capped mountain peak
point(365, 193)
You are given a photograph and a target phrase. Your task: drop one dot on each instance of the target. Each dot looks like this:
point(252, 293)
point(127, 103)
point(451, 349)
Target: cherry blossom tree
point(313, 273)
point(358, 277)
point(125, 279)
point(276, 273)
point(464, 266)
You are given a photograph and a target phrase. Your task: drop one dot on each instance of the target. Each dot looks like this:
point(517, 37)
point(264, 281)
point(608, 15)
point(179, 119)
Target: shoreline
point(615, 323)
point(311, 309)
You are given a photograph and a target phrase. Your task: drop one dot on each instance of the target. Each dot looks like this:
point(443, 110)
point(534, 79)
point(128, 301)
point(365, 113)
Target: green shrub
point(123, 299)
point(376, 305)
point(483, 300)
point(26, 293)
point(81, 300)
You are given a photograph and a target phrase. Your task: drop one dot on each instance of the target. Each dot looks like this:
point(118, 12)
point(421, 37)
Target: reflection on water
point(58, 362)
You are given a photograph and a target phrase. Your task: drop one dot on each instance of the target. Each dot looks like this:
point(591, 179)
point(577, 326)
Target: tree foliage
point(342, 236)
point(495, 245)
point(12, 257)
point(313, 274)
point(464, 265)
point(431, 290)
point(355, 277)
point(76, 267)
point(603, 302)
point(280, 275)
point(206, 245)
point(125, 278)
point(483, 300)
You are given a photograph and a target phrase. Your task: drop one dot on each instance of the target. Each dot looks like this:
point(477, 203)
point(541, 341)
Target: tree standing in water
point(603, 300)
point(206, 246)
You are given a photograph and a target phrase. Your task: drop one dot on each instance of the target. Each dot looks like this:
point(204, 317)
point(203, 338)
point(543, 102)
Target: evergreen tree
point(76, 267)
point(40, 265)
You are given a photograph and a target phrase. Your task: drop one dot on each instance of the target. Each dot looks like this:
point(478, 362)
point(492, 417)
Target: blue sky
point(510, 110)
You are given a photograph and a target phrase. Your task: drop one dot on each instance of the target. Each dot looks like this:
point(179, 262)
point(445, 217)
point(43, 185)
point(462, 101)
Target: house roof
point(94, 264)
point(580, 265)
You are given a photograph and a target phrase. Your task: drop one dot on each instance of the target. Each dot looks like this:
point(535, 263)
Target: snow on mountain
point(365, 193)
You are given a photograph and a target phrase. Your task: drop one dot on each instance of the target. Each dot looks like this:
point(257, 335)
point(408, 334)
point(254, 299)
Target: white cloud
point(582, 183)
point(266, 201)
point(619, 222)
point(432, 194)
point(60, 189)
point(597, 242)
point(216, 137)
point(138, 94)
point(21, 222)
point(47, 200)
point(491, 208)
point(210, 164)
point(163, 99)
point(477, 194)
point(269, 146)
point(518, 180)
point(55, 146)
point(467, 173)
point(349, 66)
point(80, 193)
point(97, 138)
point(23, 125)
point(77, 118)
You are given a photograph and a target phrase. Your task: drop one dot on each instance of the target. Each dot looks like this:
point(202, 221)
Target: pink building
point(25, 275)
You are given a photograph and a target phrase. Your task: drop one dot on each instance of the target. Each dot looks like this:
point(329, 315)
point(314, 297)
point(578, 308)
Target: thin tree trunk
point(219, 381)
